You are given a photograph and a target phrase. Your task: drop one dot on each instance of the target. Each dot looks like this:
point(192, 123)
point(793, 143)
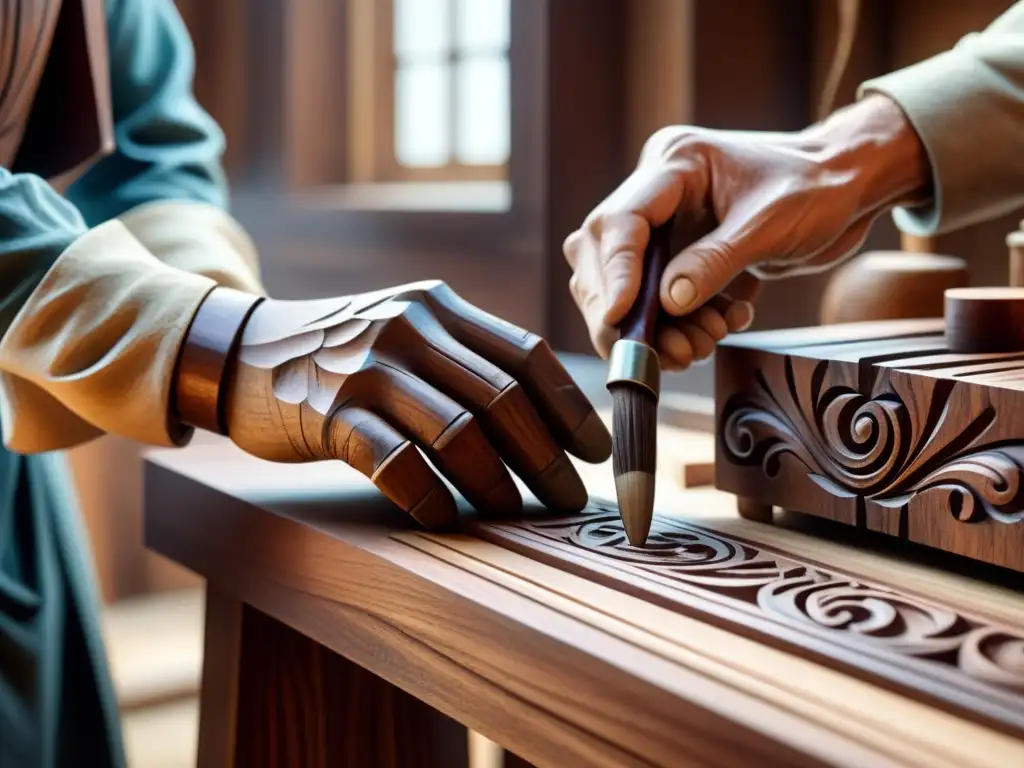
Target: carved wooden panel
point(965, 661)
point(878, 426)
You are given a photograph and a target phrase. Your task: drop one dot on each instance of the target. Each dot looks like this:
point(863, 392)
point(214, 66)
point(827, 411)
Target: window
point(429, 90)
point(451, 83)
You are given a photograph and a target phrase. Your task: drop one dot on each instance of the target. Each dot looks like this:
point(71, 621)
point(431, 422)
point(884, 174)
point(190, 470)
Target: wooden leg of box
point(273, 697)
point(218, 699)
point(756, 511)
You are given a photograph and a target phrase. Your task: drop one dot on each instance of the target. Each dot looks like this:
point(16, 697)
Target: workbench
point(338, 633)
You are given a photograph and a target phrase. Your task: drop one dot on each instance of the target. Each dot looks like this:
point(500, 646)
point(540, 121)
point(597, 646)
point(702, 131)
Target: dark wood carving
point(967, 662)
point(881, 427)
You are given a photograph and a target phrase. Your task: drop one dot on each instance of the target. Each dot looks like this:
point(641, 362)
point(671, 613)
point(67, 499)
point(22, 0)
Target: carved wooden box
point(878, 425)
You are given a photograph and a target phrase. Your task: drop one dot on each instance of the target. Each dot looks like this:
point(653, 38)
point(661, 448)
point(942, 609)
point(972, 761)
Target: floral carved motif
point(887, 442)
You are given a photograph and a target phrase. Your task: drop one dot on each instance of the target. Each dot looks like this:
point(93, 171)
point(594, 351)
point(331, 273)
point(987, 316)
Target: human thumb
point(700, 272)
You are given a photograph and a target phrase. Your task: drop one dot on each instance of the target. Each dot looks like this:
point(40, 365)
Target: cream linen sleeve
point(93, 349)
point(967, 105)
point(199, 238)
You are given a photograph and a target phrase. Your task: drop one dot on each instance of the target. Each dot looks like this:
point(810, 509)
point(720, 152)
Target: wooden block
point(985, 320)
point(887, 431)
point(698, 474)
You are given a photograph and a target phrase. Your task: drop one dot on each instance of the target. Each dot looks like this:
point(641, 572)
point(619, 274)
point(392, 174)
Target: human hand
point(772, 205)
point(373, 379)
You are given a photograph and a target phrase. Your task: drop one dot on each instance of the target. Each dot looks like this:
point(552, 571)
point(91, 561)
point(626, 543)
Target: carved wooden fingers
point(395, 381)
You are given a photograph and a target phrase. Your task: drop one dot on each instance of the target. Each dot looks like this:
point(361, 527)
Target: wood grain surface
point(564, 669)
point(962, 659)
point(881, 427)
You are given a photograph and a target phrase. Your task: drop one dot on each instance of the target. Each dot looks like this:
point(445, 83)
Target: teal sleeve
point(36, 226)
point(168, 147)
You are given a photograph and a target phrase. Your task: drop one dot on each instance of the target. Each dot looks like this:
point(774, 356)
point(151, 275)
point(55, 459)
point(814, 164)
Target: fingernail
point(683, 292)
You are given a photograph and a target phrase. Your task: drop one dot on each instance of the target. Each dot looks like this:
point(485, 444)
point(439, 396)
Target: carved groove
point(940, 651)
point(851, 442)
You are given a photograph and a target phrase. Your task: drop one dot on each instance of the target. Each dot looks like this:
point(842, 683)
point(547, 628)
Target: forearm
point(967, 107)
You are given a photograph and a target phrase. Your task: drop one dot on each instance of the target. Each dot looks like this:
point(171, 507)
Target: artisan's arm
point(103, 314)
point(967, 106)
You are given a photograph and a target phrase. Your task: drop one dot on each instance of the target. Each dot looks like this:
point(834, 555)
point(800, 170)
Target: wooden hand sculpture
point(385, 381)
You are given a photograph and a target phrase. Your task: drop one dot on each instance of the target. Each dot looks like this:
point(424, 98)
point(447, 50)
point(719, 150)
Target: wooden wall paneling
point(315, 242)
point(318, 58)
point(659, 69)
point(586, 154)
point(222, 78)
point(768, 86)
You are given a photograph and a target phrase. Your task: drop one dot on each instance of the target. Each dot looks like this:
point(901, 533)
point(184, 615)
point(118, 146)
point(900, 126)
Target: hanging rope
point(849, 14)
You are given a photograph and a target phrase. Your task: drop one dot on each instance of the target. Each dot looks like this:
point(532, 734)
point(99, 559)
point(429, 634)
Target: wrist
point(204, 362)
point(874, 140)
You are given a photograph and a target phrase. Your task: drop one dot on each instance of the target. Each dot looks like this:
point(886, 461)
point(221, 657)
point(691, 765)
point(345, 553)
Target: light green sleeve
point(967, 105)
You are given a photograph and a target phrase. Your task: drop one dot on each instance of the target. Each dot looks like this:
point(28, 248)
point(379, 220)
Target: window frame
point(276, 87)
point(373, 20)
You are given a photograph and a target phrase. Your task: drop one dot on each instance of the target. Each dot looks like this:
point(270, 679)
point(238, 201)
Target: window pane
point(421, 114)
point(483, 111)
point(482, 24)
point(422, 28)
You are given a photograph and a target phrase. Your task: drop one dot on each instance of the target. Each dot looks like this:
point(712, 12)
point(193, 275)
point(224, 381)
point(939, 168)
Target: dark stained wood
point(302, 704)
point(985, 320)
point(584, 130)
point(218, 703)
point(477, 642)
point(896, 435)
point(510, 760)
point(210, 344)
point(938, 651)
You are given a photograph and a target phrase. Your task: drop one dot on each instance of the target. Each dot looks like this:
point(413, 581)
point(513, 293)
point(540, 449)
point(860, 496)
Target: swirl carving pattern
point(887, 445)
point(877, 623)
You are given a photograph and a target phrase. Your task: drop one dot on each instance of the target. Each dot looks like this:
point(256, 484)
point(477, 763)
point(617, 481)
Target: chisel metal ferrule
point(634, 363)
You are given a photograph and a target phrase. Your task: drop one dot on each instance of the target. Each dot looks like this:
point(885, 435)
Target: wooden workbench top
point(726, 642)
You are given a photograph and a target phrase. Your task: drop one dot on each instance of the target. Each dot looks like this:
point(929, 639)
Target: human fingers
point(602, 335)
point(607, 251)
point(391, 461)
point(686, 339)
point(566, 411)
